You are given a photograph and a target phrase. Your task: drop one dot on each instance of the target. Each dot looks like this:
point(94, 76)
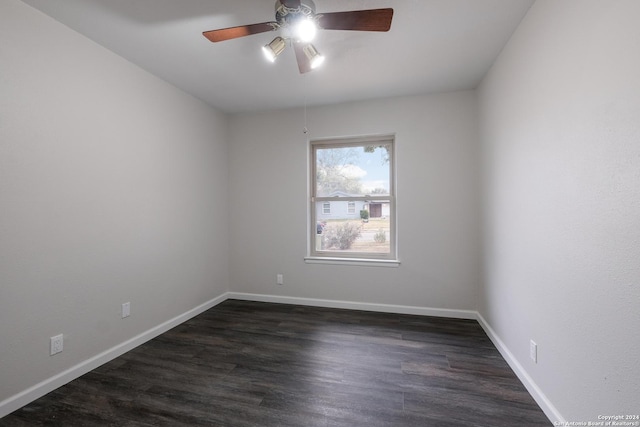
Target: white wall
point(560, 124)
point(437, 175)
point(113, 188)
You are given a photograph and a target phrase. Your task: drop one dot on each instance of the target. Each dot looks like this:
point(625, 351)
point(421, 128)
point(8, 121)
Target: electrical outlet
point(279, 279)
point(533, 351)
point(56, 344)
point(126, 309)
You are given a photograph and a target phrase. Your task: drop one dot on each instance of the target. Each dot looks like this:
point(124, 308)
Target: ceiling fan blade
point(240, 31)
point(304, 64)
point(357, 20)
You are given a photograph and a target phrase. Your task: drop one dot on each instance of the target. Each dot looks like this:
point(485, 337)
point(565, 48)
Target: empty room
point(323, 213)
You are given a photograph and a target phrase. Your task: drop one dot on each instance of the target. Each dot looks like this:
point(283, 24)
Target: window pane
point(365, 230)
point(353, 171)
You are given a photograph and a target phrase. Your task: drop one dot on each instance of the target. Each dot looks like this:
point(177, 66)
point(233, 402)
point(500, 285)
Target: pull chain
point(305, 130)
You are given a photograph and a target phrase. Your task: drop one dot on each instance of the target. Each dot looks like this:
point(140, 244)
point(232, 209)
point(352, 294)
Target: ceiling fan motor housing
point(287, 15)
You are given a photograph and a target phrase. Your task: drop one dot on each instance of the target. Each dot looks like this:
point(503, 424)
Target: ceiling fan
point(299, 22)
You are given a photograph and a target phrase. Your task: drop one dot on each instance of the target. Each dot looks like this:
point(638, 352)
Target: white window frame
point(326, 208)
point(351, 207)
point(315, 255)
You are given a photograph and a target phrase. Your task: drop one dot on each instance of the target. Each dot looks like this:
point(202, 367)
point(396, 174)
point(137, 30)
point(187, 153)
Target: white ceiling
point(433, 46)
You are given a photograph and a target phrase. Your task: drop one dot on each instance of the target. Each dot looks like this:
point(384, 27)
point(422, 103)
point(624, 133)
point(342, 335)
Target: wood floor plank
point(246, 363)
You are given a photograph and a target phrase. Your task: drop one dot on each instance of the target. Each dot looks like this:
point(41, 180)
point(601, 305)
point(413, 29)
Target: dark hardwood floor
point(258, 364)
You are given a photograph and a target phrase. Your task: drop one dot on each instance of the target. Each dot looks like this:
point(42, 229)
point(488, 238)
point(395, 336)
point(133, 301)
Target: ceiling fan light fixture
point(312, 54)
point(305, 29)
point(298, 24)
point(273, 49)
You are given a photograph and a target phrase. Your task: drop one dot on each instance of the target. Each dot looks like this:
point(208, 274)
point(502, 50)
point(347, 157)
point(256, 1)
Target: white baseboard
point(383, 308)
point(545, 404)
point(21, 399)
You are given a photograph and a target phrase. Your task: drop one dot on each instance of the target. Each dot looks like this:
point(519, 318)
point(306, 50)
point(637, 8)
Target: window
point(352, 199)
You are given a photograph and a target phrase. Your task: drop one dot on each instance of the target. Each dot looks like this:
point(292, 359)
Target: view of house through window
point(352, 198)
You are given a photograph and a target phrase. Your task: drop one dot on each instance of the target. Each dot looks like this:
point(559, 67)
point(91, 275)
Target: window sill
point(353, 261)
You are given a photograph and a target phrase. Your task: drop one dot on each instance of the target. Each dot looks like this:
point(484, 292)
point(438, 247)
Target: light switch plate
point(533, 351)
point(126, 309)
